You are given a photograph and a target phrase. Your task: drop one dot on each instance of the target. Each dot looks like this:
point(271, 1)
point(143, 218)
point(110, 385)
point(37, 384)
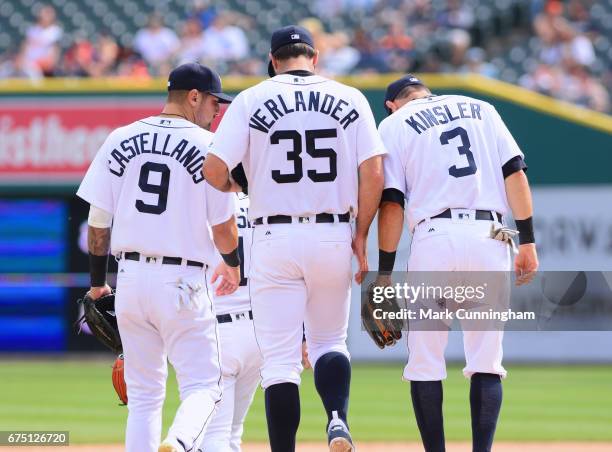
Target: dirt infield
point(368, 447)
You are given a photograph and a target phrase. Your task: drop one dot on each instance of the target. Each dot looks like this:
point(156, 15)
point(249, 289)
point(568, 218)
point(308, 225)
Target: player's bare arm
point(371, 182)
point(98, 240)
point(225, 236)
point(216, 173)
point(390, 226)
point(519, 199)
point(98, 244)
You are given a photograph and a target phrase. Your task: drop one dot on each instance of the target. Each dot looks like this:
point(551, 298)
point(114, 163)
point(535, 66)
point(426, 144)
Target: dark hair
point(408, 90)
point(294, 51)
point(177, 96)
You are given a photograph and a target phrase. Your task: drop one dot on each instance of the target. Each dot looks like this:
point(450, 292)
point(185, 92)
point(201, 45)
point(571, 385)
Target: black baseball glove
point(100, 317)
point(383, 330)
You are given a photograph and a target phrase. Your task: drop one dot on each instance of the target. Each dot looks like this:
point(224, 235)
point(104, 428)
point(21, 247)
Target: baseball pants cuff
point(315, 353)
point(280, 374)
point(412, 374)
point(468, 372)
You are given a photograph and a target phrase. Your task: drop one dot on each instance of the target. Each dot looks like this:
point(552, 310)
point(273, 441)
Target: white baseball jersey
point(301, 140)
point(148, 175)
point(239, 301)
point(447, 152)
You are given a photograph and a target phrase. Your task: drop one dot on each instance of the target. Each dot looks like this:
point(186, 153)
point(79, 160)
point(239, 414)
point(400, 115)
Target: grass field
point(571, 403)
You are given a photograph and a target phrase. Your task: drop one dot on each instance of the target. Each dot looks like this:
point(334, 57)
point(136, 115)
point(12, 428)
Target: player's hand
point(305, 361)
point(97, 292)
point(526, 264)
point(229, 278)
point(360, 250)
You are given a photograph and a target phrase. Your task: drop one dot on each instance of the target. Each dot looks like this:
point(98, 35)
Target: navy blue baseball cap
point(291, 34)
point(397, 86)
point(190, 76)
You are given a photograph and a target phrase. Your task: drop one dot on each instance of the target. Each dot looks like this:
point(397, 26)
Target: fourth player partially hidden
point(240, 356)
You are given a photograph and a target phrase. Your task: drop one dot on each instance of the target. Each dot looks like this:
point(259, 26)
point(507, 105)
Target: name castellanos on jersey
point(302, 101)
point(443, 114)
point(157, 143)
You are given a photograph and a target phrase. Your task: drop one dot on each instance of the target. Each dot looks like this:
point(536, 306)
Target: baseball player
point(240, 356)
point(313, 160)
point(459, 169)
point(146, 180)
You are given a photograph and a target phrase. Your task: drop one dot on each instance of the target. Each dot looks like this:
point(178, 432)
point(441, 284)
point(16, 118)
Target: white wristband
point(99, 218)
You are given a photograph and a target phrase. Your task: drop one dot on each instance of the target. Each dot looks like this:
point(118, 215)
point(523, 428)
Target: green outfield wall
point(563, 144)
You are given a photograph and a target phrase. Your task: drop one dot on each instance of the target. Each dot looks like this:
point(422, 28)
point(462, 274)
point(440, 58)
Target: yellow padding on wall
point(473, 83)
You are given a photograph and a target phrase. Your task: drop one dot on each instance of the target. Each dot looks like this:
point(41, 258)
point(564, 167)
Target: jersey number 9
point(161, 189)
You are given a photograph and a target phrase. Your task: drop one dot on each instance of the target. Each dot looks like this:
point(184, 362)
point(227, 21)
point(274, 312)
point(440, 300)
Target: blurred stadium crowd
point(560, 48)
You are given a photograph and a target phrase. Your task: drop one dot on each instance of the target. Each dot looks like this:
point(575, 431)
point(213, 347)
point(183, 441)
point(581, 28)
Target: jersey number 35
point(311, 149)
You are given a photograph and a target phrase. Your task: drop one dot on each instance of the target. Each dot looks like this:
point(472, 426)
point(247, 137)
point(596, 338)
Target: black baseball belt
point(485, 215)
point(135, 256)
point(318, 218)
point(226, 318)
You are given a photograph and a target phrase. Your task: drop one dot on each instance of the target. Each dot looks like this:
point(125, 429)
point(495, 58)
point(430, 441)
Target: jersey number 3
point(311, 149)
point(464, 149)
point(161, 189)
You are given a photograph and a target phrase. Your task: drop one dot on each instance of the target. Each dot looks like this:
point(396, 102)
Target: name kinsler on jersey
point(308, 101)
point(151, 143)
point(442, 114)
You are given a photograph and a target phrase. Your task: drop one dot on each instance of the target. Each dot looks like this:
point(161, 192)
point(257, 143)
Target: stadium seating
point(123, 18)
point(502, 27)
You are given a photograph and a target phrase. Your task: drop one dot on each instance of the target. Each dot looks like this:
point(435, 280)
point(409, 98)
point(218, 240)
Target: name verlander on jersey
point(157, 143)
point(302, 101)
